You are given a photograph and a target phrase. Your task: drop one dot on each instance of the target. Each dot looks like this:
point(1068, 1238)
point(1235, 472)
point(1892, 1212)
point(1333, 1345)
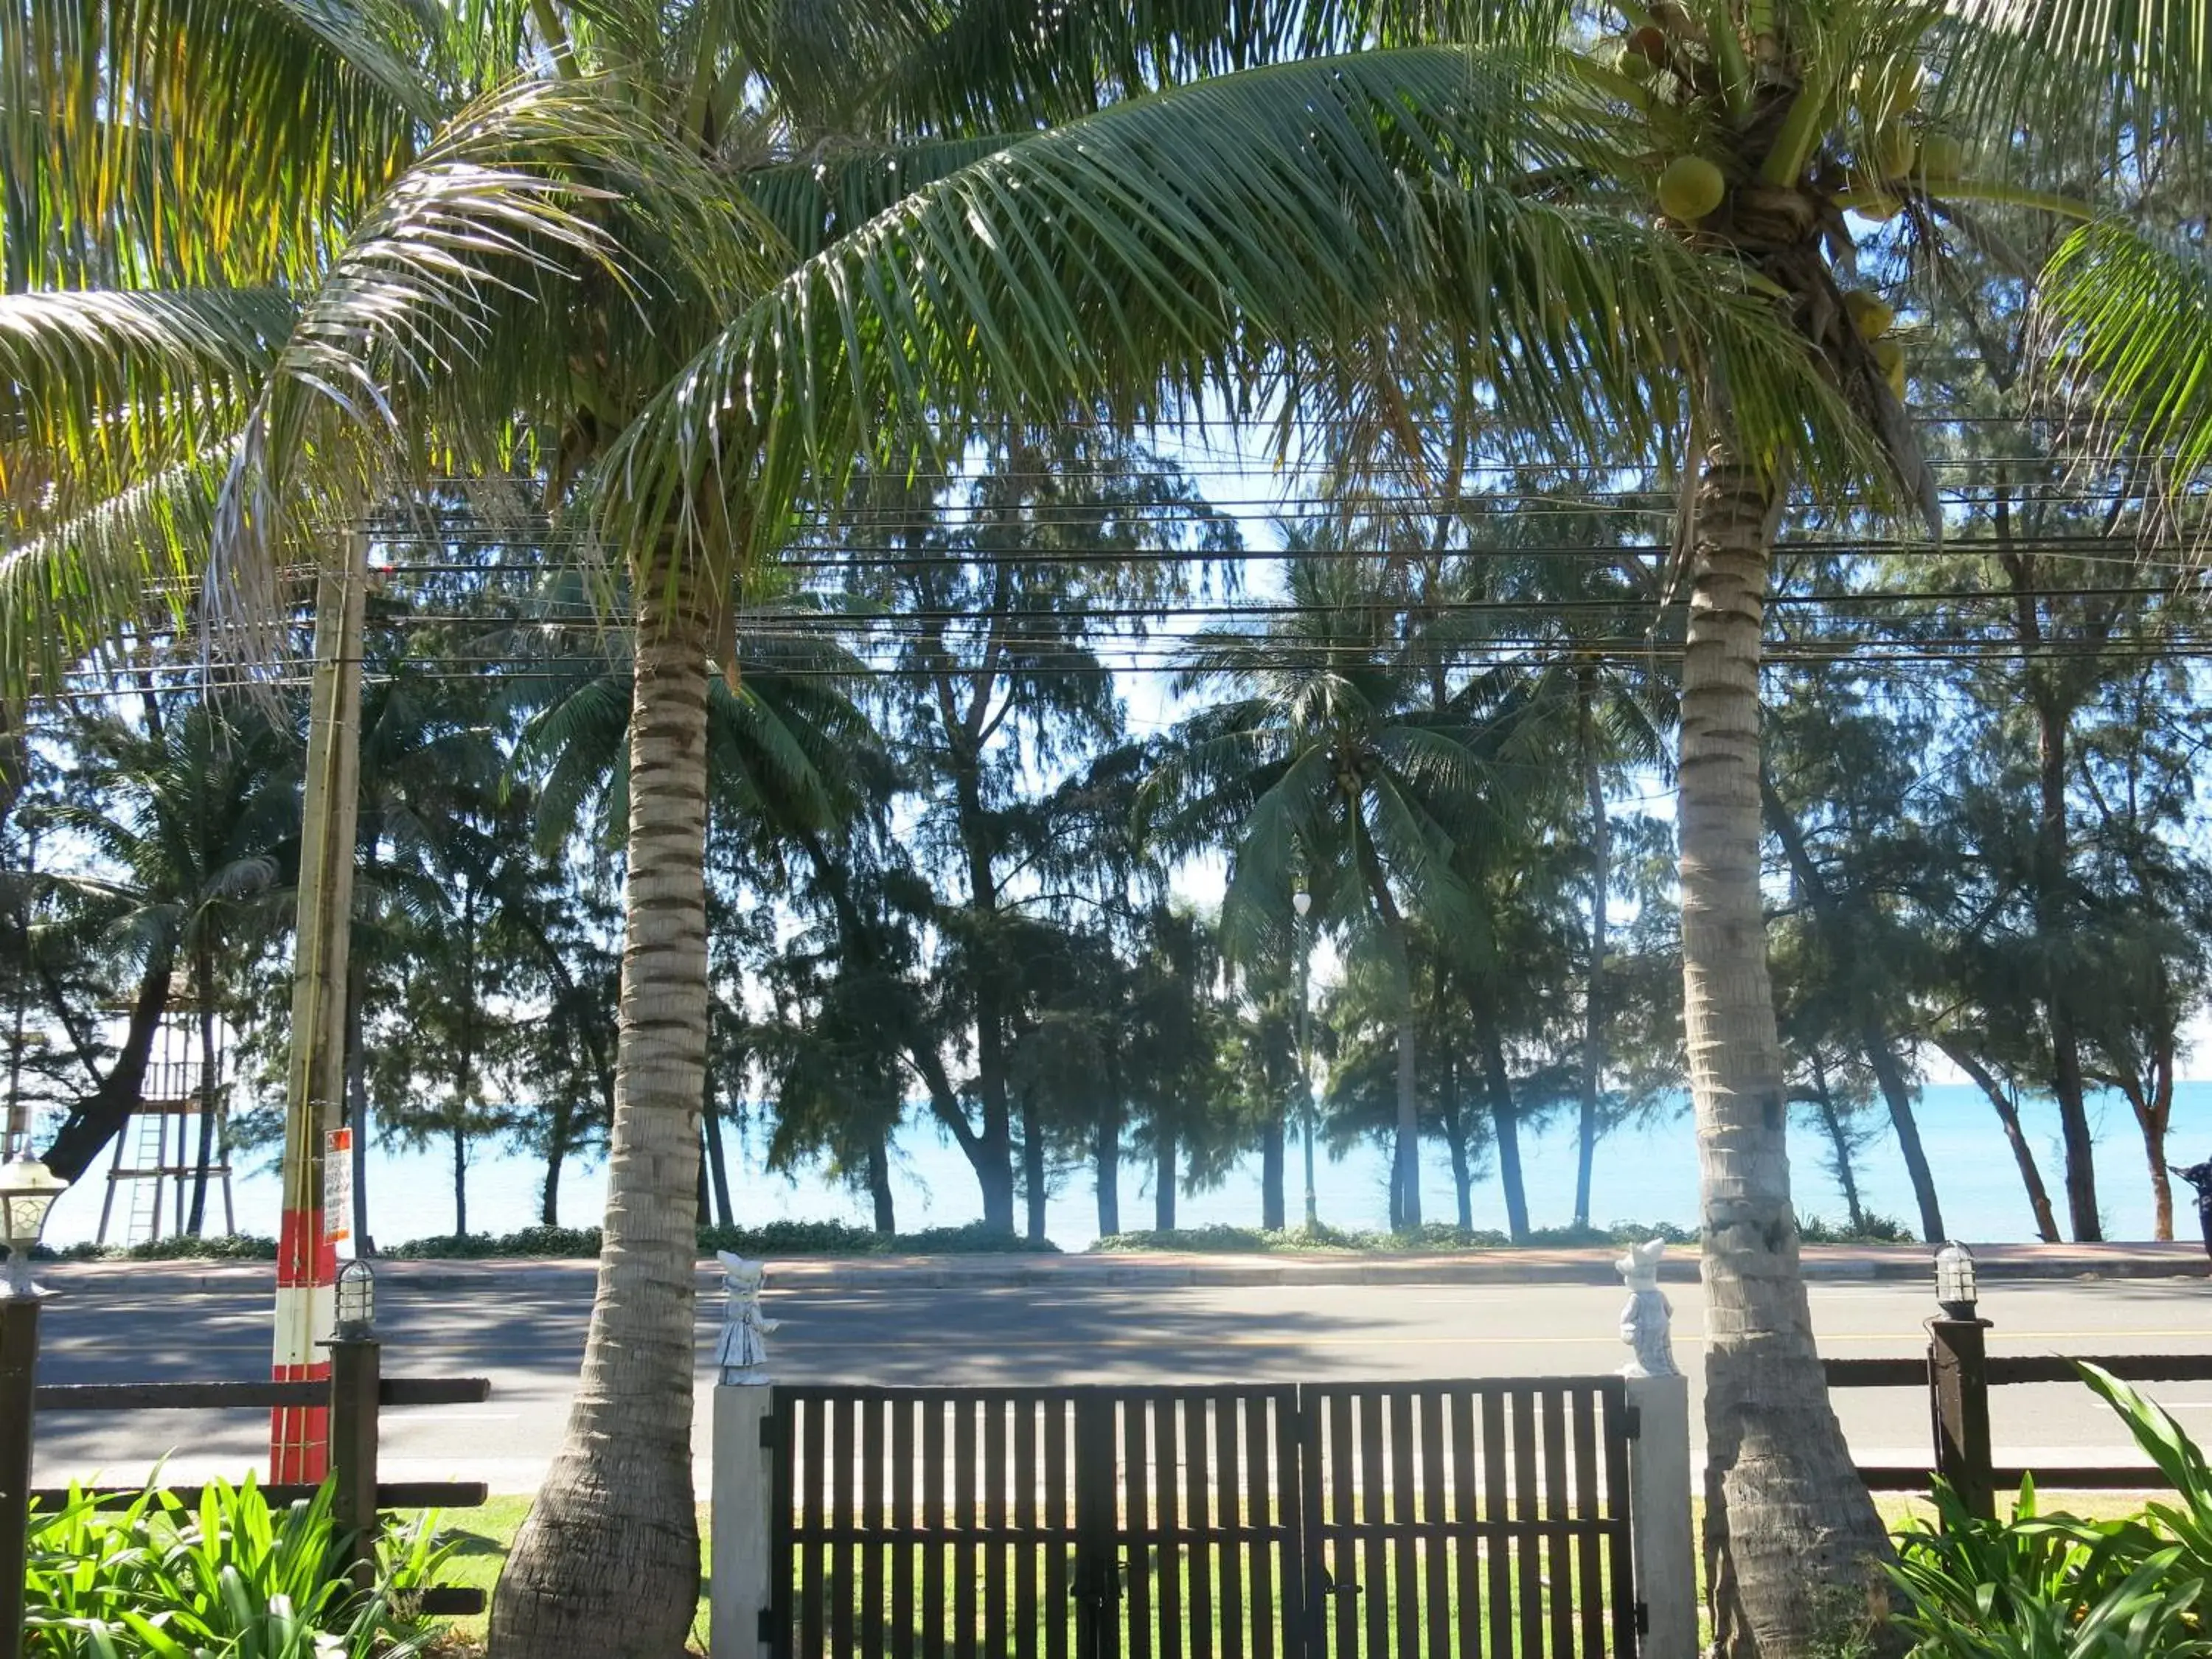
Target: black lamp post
point(357, 1377)
point(1957, 1371)
point(28, 1191)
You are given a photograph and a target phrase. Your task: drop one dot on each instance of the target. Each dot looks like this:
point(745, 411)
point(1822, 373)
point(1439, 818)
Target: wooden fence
point(1957, 1374)
point(356, 1394)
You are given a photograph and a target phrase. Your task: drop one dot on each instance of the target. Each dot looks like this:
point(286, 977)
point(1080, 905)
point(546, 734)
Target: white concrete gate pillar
point(739, 1591)
point(1662, 1541)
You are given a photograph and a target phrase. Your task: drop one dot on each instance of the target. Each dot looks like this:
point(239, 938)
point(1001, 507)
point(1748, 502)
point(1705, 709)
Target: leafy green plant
point(2183, 1525)
point(230, 1579)
point(2053, 1586)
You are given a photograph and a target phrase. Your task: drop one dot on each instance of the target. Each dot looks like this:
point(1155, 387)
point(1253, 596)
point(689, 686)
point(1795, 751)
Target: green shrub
point(2052, 1586)
point(239, 1247)
point(230, 1579)
point(973, 1239)
point(1871, 1229)
point(1435, 1235)
point(773, 1239)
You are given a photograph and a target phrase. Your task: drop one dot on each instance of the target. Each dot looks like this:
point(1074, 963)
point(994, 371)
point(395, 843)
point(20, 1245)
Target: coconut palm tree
point(1323, 767)
point(195, 814)
point(320, 266)
point(1647, 241)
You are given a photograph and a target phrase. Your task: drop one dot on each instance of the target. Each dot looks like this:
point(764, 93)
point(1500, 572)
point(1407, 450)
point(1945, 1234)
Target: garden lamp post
point(1958, 1371)
point(28, 1191)
point(1301, 902)
point(357, 1377)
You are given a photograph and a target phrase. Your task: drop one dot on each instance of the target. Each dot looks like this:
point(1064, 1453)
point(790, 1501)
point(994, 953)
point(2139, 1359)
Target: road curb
point(1822, 1264)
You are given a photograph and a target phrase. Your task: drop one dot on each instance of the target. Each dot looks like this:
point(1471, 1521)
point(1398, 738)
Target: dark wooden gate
point(1480, 1519)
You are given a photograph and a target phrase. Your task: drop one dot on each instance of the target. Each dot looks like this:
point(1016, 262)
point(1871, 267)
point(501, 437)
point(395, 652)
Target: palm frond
point(1199, 237)
point(105, 387)
point(69, 590)
point(2129, 318)
point(2052, 78)
point(196, 140)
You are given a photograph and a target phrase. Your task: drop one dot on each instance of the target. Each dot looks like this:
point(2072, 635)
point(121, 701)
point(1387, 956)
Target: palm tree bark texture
point(611, 1547)
point(1785, 1512)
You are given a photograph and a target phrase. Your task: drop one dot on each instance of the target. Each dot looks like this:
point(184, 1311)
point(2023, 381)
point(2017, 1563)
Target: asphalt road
point(526, 1332)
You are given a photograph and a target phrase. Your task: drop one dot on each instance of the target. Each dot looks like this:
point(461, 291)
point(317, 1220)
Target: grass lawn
point(483, 1535)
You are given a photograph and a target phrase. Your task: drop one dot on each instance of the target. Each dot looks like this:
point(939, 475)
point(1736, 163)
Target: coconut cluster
point(1874, 318)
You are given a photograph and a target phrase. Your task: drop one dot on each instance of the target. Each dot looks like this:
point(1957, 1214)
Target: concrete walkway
point(1828, 1263)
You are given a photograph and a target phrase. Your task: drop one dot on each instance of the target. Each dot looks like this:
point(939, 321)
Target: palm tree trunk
point(556, 1153)
point(94, 1121)
point(1273, 1207)
point(1106, 1160)
point(1406, 1162)
point(1788, 1520)
point(606, 1566)
point(1163, 1179)
point(718, 1163)
point(2023, 1155)
point(203, 972)
point(1840, 1143)
point(1874, 1041)
point(1505, 1121)
point(1406, 1172)
point(1594, 976)
point(1455, 1139)
point(880, 1185)
point(1033, 1193)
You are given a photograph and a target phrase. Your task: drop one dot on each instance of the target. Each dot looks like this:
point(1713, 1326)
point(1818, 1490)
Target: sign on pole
point(337, 1186)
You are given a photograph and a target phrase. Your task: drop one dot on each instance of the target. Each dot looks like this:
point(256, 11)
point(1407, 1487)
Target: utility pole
point(307, 1250)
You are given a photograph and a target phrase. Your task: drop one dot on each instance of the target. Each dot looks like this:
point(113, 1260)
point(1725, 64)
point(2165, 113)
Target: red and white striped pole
point(307, 1250)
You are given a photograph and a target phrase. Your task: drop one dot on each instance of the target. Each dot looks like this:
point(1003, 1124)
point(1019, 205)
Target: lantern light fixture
point(356, 1302)
point(1301, 902)
point(1954, 1281)
point(28, 1191)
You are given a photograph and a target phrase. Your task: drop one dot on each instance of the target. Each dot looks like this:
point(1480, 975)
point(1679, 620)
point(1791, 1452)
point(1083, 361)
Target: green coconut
point(1895, 147)
point(1942, 157)
point(1869, 315)
point(1690, 188)
point(1637, 67)
point(1888, 93)
point(1889, 357)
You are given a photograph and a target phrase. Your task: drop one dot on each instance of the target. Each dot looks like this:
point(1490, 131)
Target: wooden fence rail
point(356, 1394)
point(1958, 1373)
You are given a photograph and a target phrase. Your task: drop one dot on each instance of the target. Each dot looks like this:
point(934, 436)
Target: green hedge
point(776, 1238)
point(1436, 1237)
point(801, 1238)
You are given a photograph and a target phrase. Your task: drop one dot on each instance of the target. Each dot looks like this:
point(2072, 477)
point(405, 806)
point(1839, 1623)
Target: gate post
point(1661, 1537)
point(741, 1598)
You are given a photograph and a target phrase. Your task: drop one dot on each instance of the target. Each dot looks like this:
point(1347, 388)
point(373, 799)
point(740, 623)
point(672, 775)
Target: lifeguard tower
point(157, 1151)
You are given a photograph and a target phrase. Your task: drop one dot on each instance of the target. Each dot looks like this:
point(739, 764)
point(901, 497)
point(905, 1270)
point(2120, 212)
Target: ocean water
point(1642, 1174)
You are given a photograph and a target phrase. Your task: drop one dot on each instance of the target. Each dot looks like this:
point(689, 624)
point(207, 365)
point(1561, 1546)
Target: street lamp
point(28, 1191)
point(1301, 902)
